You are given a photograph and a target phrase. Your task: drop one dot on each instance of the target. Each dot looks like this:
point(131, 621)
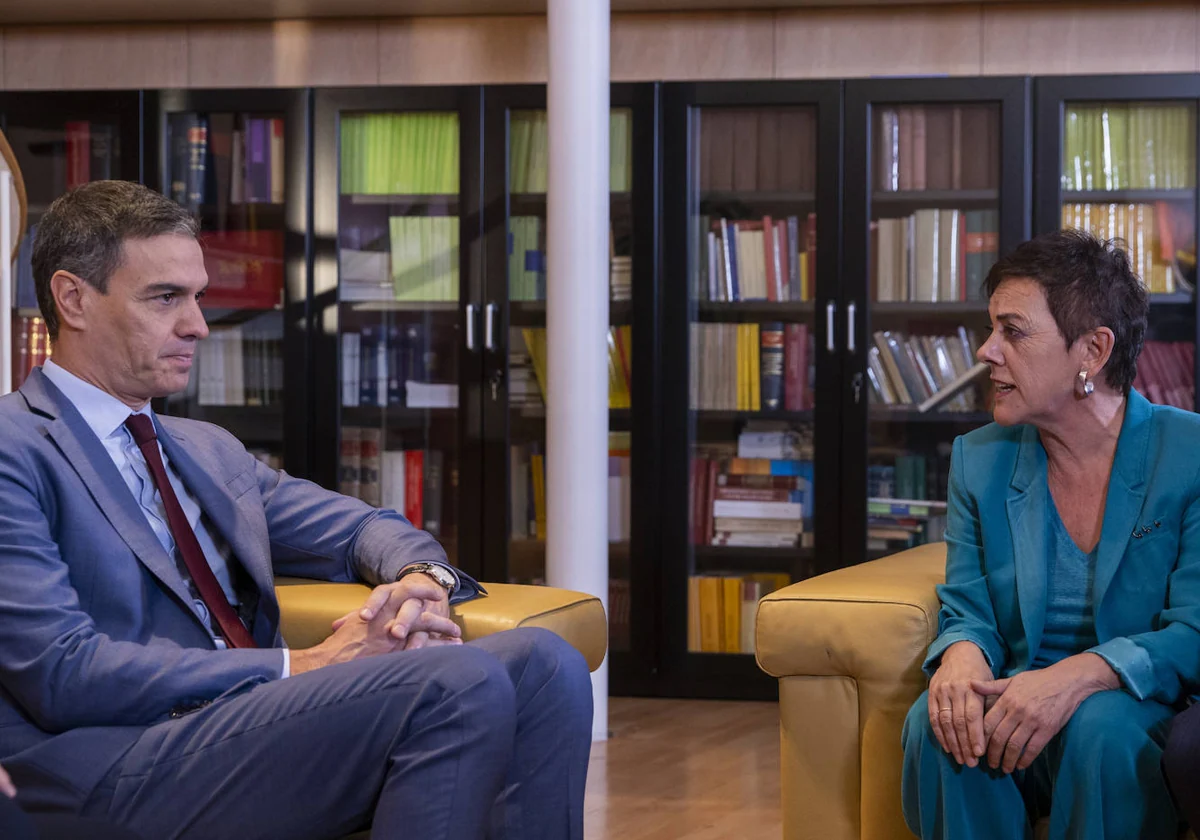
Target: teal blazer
point(1146, 592)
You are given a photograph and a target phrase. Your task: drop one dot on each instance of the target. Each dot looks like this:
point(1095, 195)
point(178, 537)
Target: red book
point(414, 487)
point(768, 228)
point(795, 360)
point(79, 153)
point(767, 482)
point(245, 268)
point(710, 487)
point(752, 494)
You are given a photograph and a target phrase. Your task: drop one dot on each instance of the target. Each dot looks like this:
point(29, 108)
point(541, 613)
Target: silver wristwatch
point(439, 573)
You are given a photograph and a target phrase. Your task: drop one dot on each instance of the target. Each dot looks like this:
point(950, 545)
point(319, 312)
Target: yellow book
point(711, 637)
point(537, 466)
point(753, 342)
point(535, 343)
point(693, 614)
point(731, 612)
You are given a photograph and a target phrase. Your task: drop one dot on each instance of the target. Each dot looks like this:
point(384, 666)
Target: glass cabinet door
point(390, 293)
point(527, 349)
point(1129, 173)
point(228, 165)
point(61, 141)
point(935, 194)
point(399, 288)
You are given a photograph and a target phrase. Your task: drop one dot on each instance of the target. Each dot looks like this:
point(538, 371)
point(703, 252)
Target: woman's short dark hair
point(84, 231)
point(1089, 283)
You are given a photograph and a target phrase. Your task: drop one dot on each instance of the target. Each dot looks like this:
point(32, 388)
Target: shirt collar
point(103, 412)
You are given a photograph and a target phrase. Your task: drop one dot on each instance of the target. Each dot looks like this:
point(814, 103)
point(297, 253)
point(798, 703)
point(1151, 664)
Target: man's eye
point(201, 294)
point(167, 298)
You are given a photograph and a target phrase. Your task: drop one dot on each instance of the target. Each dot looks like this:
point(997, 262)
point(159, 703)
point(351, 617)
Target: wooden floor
point(695, 769)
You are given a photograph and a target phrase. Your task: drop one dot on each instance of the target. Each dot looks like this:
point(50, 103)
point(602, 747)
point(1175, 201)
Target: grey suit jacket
point(97, 636)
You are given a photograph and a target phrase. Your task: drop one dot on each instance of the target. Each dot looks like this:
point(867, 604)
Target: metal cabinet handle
point(830, 309)
point(471, 327)
point(851, 310)
point(489, 325)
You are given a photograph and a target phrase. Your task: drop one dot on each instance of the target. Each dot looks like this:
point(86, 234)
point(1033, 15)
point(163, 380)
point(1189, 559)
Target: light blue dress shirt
point(105, 415)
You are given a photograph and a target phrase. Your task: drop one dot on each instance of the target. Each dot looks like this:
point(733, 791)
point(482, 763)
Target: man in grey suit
point(142, 675)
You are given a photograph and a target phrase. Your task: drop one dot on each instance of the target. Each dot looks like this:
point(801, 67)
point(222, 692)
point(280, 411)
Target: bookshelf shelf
point(1132, 196)
point(1176, 299)
point(534, 204)
point(402, 418)
point(409, 200)
point(727, 416)
point(914, 199)
point(532, 313)
point(754, 310)
point(757, 198)
point(798, 562)
point(882, 414)
point(262, 424)
point(227, 316)
point(527, 423)
point(28, 312)
point(431, 306)
point(913, 309)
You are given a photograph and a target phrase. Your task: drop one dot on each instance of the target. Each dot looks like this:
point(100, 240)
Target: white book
point(757, 510)
point(431, 394)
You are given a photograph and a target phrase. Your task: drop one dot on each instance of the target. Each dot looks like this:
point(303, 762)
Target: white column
point(577, 309)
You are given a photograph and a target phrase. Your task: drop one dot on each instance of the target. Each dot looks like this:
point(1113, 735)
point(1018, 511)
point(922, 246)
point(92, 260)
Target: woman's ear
point(1097, 349)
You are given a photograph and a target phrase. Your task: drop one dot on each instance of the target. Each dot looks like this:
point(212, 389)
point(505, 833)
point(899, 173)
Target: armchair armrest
point(847, 647)
point(308, 608)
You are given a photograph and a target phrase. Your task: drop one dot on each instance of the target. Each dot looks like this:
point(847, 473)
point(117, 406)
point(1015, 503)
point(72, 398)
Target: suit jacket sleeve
point(54, 661)
point(316, 533)
point(966, 613)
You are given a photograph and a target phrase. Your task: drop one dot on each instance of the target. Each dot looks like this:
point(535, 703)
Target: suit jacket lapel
point(222, 512)
point(1027, 505)
point(90, 460)
point(1126, 492)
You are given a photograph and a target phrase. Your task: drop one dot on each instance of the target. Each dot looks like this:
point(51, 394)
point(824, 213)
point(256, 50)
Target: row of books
point(1166, 373)
point(933, 256)
point(240, 365)
point(894, 524)
point(527, 262)
point(751, 367)
point(1120, 146)
point(527, 368)
point(757, 259)
point(907, 370)
point(528, 164)
point(527, 474)
point(221, 159)
point(758, 149)
point(420, 264)
point(751, 500)
point(908, 474)
point(31, 347)
point(411, 482)
point(395, 365)
point(400, 154)
point(938, 147)
point(1147, 234)
point(722, 610)
point(91, 149)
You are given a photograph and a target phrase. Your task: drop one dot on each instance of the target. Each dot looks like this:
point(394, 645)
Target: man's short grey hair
point(84, 232)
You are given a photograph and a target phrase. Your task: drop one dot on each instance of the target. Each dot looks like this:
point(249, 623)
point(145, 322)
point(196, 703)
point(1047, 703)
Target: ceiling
point(92, 11)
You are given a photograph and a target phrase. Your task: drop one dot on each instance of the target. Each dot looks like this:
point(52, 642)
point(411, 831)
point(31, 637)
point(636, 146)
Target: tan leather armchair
point(309, 607)
point(847, 648)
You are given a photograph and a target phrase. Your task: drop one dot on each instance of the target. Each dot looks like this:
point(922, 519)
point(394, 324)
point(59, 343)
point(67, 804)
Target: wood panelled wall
point(960, 40)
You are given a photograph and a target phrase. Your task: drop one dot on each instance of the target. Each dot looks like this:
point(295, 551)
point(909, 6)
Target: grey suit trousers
point(488, 739)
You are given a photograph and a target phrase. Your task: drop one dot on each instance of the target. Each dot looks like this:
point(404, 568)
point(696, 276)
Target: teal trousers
point(1100, 778)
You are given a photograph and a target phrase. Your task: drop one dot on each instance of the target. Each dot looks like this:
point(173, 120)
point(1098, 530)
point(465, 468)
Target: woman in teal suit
point(1069, 633)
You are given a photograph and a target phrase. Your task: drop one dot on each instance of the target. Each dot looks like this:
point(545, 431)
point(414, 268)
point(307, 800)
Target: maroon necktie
point(235, 633)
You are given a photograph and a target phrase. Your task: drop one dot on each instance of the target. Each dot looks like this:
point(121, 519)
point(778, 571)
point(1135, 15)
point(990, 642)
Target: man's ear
point(70, 294)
